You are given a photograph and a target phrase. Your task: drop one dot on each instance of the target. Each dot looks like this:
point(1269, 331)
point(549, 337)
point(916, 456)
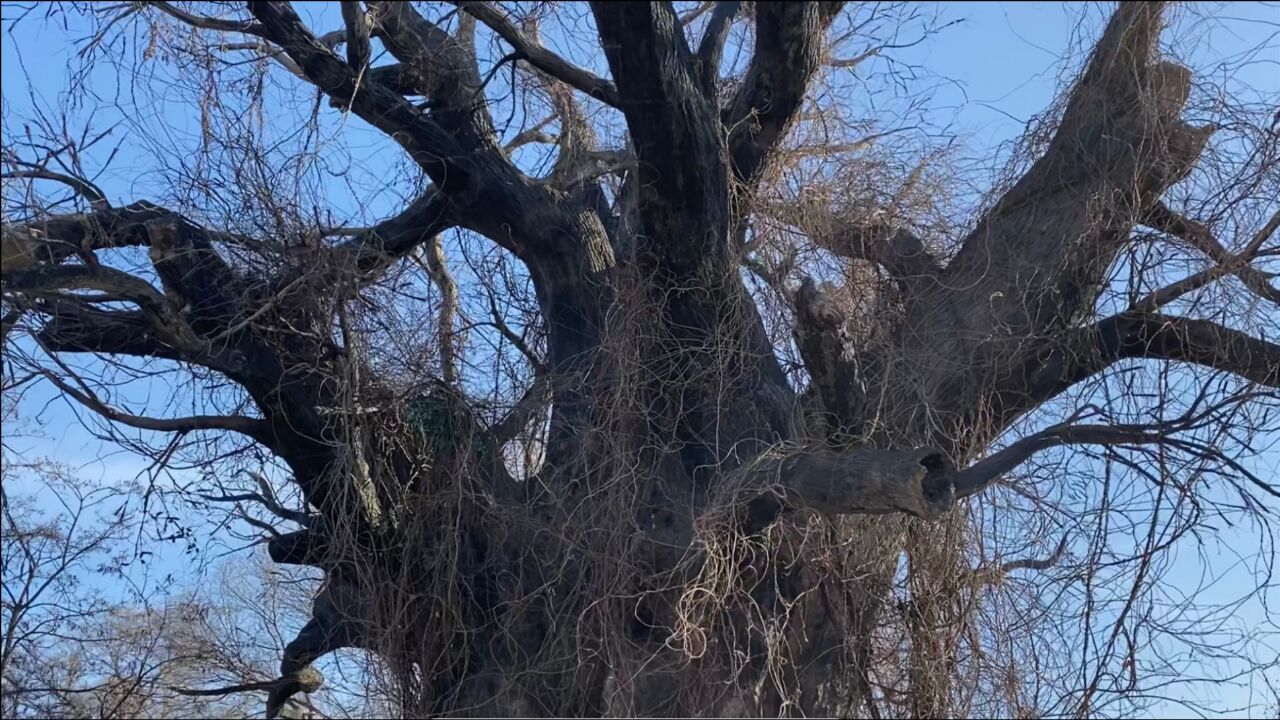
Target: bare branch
point(266, 49)
point(87, 190)
point(117, 283)
point(538, 56)
point(534, 134)
point(1161, 217)
point(57, 238)
point(1201, 342)
point(862, 481)
point(208, 23)
point(788, 51)
point(231, 689)
point(430, 145)
point(876, 50)
point(856, 60)
point(455, 143)
point(336, 615)
point(1087, 351)
point(1036, 563)
point(358, 48)
point(698, 12)
point(75, 328)
point(896, 249)
point(711, 49)
point(433, 262)
point(533, 400)
point(252, 427)
point(1029, 271)
point(977, 477)
point(369, 251)
point(306, 680)
point(266, 498)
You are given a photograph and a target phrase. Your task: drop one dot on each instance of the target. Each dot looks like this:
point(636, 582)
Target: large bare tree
point(705, 425)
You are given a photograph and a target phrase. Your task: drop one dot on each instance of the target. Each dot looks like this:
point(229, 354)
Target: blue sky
point(989, 75)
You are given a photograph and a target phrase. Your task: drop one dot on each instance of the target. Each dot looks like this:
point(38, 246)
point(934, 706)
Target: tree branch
point(266, 49)
point(75, 328)
point(252, 427)
point(697, 12)
point(247, 27)
point(45, 278)
point(266, 498)
point(825, 348)
point(1035, 264)
point(214, 328)
point(922, 482)
point(856, 60)
point(534, 134)
point(436, 60)
point(1161, 217)
point(430, 145)
point(534, 399)
point(424, 218)
point(1201, 342)
point(358, 48)
point(788, 52)
point(303, 683)
point(684, 207)
point(1135, 335)
point(56, 238)
point(336, 618)
point(1036, 563)
point(308, 547)
point(539, 57)
point(84, 188)
point(863, 481)
point(455, 144)
point(1037, 260)
point(711, 48)
point(897, 250)
point(673, 130)
point(437, 269)
point(979, 476)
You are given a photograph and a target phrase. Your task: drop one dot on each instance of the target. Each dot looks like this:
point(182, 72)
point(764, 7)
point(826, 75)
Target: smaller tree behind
point(74, 646)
